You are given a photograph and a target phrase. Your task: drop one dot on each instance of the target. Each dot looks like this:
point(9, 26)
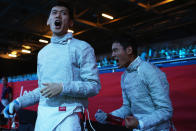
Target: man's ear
point(129, 50)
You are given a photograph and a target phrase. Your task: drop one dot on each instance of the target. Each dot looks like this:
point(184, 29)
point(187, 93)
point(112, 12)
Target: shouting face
point(59, 20)
point(120, 54)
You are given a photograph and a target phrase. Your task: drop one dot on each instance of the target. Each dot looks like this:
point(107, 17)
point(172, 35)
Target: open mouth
point(57, 23)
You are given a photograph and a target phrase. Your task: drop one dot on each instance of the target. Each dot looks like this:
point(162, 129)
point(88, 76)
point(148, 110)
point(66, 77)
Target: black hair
point(126, 42)
point(63, 4)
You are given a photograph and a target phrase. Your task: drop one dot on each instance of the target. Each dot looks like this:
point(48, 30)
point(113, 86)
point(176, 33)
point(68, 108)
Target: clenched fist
point(131, 122)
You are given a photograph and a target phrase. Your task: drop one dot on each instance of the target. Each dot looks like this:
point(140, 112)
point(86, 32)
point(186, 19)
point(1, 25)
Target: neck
point(131, 59)
point(59, 35)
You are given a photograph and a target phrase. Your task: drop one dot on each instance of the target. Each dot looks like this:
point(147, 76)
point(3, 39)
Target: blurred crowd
point(152, 54)
point(148, 54)
point(168, 53)
point(24, 77)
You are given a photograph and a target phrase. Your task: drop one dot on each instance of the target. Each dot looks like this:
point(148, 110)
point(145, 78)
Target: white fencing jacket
point(69, 61)
point(145, 92)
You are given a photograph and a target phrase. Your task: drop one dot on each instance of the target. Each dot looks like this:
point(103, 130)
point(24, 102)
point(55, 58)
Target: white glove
point(101, 116)
point(9, 111)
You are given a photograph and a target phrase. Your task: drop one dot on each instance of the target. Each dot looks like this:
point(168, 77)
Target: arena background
point(182, 92)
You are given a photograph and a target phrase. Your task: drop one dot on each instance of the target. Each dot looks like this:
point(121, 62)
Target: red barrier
point(182, 80)
point(182, 91)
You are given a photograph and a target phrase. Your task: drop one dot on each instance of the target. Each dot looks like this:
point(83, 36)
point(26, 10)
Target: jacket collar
point(63, 40)
point(134, 65)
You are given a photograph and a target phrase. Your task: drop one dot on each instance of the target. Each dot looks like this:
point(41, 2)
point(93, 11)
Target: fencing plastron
point(50, 117)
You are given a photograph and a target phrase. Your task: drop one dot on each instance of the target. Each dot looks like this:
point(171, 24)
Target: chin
point(56, 31)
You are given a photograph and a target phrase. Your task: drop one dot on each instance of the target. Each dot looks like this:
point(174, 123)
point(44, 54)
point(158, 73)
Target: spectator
point(6, 96)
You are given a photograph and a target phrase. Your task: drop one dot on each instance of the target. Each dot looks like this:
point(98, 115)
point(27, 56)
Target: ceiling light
point(14, 52)
point(161, 3)
point(107, 16)
point(26, 46)
point(26, 51)
point(70, 31)
point(43, 41)
point(12, 55)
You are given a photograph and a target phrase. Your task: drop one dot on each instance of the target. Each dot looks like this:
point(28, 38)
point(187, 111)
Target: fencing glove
point(105, 118)
point(101, 116)
point(9, 111)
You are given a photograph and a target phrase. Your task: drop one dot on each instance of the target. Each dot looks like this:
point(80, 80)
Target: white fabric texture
point(71, 123)
point(53, 119)
point(71, 62)
point(145, 92)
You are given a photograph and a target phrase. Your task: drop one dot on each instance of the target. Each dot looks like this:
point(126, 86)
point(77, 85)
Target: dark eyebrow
point(59, 11)
point(53, 10)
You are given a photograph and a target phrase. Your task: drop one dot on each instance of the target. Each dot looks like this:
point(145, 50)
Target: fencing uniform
point(145, 92)
point(71, 62)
